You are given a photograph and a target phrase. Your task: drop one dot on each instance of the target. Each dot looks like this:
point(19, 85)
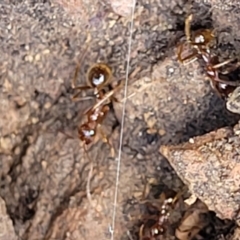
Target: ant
point(155, 225)
point(200, 46)
point(99, 77)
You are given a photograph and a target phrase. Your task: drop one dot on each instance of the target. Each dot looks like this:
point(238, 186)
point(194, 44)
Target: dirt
point(51, 190)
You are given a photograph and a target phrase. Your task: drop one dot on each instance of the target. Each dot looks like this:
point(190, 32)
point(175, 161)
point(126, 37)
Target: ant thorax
point(96, 114)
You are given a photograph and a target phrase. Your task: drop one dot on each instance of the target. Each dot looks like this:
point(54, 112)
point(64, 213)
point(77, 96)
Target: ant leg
point(231, 68)
point(75, 98)
point(188, 59)
point(119, 85)
point(214, 87)
point(74, 85)
point(129, 96)
point(66, 134)
point(74, 80)
point(226, 81)
point(188, 27)
point(106, 140)
point(81, 88)
point(193, 56)
point(141, 237)
point(219, 65)
point(114, 99)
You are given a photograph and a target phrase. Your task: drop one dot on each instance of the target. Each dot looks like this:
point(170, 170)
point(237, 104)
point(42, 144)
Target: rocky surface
point(6, 229)
point(209, 166)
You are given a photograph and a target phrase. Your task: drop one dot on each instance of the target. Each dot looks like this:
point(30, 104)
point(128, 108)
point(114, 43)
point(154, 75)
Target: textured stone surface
point(6, 225)
point(210, 165)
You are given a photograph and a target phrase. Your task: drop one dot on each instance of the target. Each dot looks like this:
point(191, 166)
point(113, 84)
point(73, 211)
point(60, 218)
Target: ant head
point(203, 37)
point(99, 75)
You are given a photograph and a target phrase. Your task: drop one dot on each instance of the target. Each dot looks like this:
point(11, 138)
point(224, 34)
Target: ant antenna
point(78, 67)
point(188, 27)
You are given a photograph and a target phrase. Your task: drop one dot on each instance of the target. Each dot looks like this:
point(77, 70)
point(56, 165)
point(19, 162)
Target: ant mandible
point(199, 42)
point(98, 77)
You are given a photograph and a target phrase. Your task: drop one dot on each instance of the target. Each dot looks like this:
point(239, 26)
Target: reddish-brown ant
point(99, 77)
point(155, 225)
point(95, 116)
point(199, 44)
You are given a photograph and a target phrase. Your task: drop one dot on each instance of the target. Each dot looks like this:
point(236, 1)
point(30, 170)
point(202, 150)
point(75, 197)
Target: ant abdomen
point(87, 133)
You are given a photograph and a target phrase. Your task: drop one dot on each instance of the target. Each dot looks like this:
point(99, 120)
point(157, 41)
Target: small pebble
point(7, 85)
point(237, 132)
point(192, 199)
point(37, 57)
point(111, 23)
point(191, 140)
point(228, 147)
point(162, 132)
point(47, 105)
point(35, 105)
point(17, 151)
point(5, 143)
point(34, 120)
point(46, 51)
point(140, 156)
point(69, 115)
point(28, 58)
point(44, 164)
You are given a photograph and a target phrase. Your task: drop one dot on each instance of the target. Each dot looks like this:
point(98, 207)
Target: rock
point(6, 225)
point(211, 169)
